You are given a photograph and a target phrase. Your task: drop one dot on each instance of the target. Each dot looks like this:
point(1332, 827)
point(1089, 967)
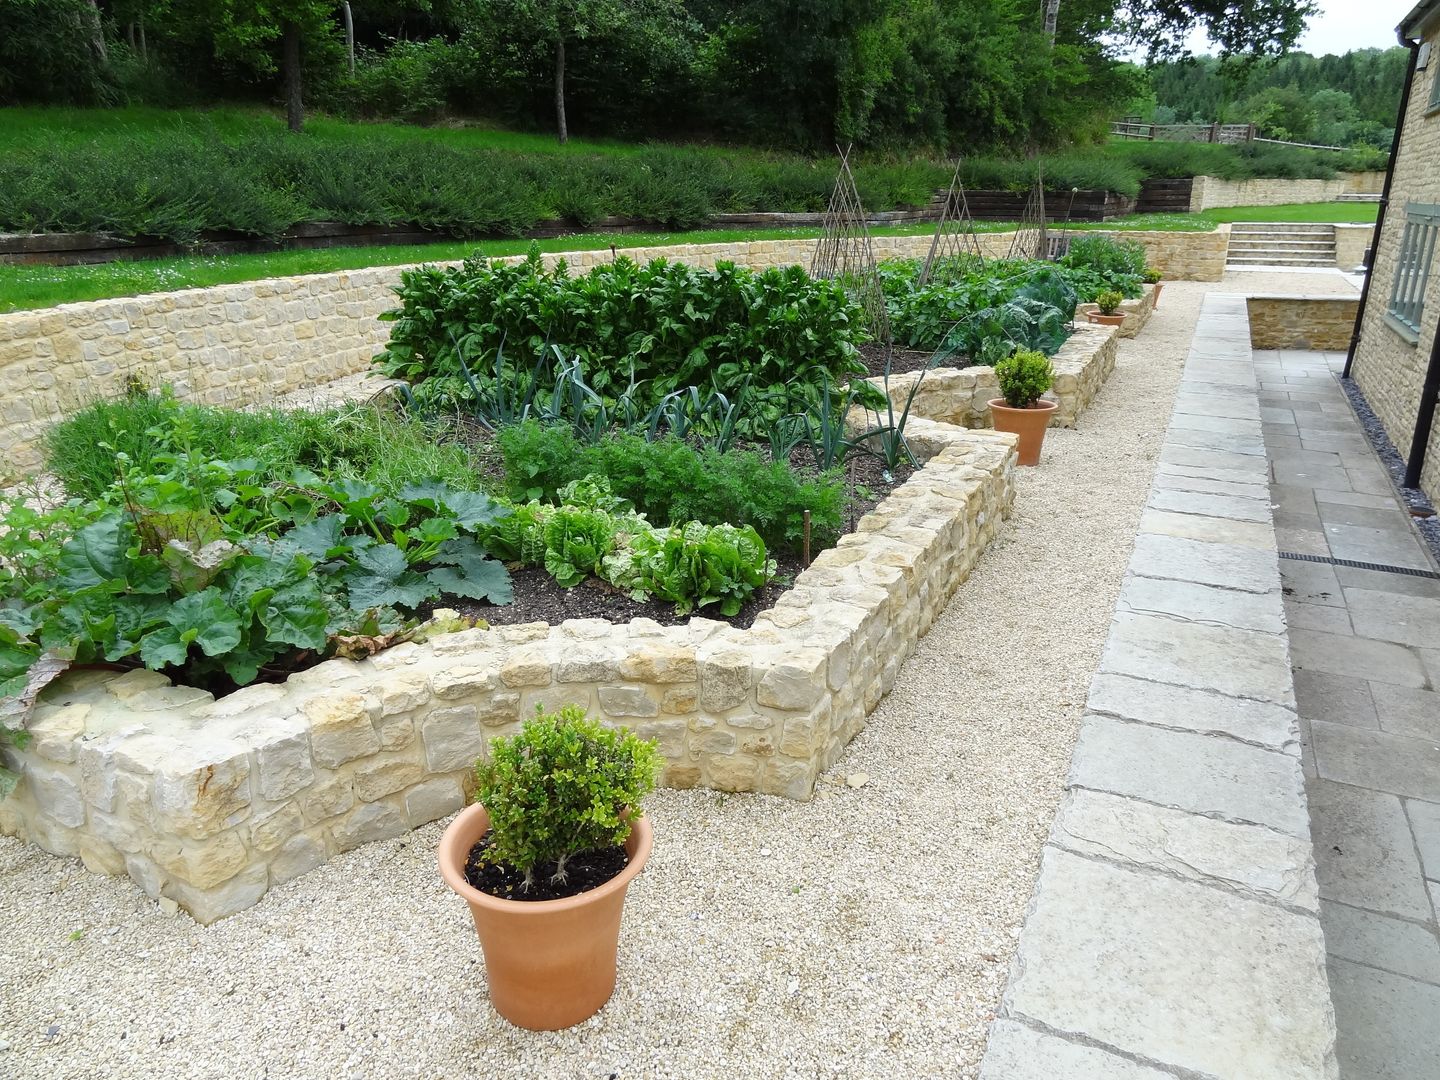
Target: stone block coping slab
point(1175, 928)
point(210, 802)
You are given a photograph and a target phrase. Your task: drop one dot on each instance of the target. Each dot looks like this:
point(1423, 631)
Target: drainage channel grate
point(1329, 561)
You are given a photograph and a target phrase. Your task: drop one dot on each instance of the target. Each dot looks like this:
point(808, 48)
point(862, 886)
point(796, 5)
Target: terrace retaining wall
point(212, 802)
point(1211, 192)
point(1323, 323)
point(255, 341)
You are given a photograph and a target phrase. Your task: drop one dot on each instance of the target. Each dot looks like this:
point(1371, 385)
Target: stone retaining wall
point(1211, 192)
point(212, 802)
point(1351, 243)
point(255, 341)
point(962, 396)
point(1323, 323)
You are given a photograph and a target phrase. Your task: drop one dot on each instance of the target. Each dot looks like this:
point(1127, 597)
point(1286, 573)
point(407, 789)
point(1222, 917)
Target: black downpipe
point(1414, 47)
point(1424, 418)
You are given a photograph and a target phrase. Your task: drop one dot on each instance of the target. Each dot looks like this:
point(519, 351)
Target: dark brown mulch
point(901, 360)
point(540, 598)
point(583, 872)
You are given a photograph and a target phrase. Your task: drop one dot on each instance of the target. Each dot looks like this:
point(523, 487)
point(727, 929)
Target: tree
point(1252, 28)
point(248, 30)
point(563, 23)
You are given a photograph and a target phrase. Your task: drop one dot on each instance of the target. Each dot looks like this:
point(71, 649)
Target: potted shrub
point(544, 857)
point(1151, 276)
point(1109, 303)
point(1023, 377)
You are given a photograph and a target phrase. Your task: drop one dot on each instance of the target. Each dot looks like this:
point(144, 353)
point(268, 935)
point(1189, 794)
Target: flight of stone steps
point(1276, 243)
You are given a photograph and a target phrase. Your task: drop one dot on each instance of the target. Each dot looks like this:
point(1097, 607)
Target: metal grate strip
point(1408, 571)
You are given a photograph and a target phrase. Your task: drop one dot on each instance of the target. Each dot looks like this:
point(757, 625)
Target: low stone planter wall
point(962, 396)
point(256, 341)
point(1302, 322)
point(212, 802)
point(1137, 312)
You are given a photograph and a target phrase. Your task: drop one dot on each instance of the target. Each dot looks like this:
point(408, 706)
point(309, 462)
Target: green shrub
point(639, 331)
point(1109, 301)
point(1151, 276)
point(1024, 377)
point(184, 179)
point(564, 785)
point(672, 482)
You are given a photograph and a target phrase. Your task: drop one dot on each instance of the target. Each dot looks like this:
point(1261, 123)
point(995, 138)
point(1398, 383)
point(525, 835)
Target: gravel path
point(867, 933)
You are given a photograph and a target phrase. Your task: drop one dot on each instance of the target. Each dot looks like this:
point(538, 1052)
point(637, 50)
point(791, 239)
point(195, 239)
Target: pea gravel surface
point(865, 934)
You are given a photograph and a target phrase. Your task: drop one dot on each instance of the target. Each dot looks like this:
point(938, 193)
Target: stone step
point(1276, 260)
point(1280, 226)
point(1297, 245)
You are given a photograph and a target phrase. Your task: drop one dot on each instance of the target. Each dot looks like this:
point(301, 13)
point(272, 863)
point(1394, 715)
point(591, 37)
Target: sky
point(1342, 25)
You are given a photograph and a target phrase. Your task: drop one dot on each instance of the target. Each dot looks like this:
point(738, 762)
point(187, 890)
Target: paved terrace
point(1365, 646)
point(1176, 928)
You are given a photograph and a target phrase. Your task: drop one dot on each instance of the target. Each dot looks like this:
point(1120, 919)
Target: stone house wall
point(1389, 366)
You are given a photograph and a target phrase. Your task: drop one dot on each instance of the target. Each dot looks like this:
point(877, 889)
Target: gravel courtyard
point(868, 933)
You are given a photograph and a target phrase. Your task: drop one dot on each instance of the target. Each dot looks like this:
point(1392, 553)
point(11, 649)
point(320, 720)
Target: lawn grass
point(28, 126)
point(1359, 213)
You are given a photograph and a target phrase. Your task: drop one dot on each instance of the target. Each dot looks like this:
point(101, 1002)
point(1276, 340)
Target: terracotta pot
point(551, 963)
point(1156, 302)
point(1106, 320)
point(1029, 424)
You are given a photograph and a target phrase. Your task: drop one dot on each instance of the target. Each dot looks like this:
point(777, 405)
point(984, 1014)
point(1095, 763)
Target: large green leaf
point(467, 571)
point(203, 619)
point(473, 509)
point(95, 555)
point(382, 578)
point(296, 615)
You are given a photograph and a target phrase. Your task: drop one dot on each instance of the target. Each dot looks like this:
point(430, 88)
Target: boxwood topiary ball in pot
point(1024, 377)
point(1109, 301)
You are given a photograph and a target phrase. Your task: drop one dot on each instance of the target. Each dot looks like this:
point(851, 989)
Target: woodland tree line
point(984, 74)
point(1346, 100)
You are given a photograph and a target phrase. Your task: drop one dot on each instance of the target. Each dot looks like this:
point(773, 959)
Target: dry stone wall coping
point(962, 396)
point(211, 802)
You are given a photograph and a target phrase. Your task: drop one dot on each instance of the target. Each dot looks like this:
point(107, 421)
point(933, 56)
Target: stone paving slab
point(1177, 973)
point(1374, 864)
point(1175, 928)
point(1195, 527)
point(1240, 663)
point(1184, 708)
point(1018, 1051)
point(1216, 777)
point(1194, 602)
point(1209, 563)
point(1387, 1024)
point(1381, 941)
